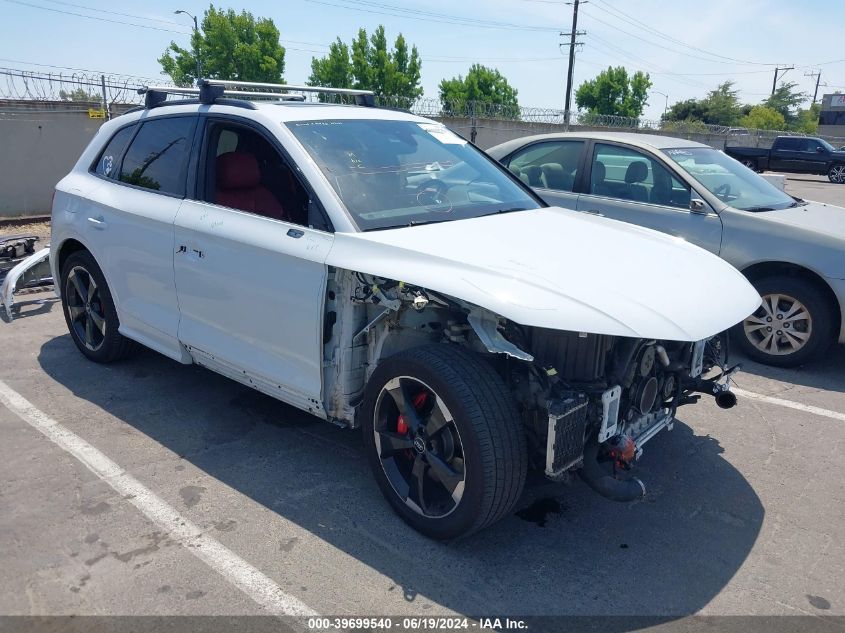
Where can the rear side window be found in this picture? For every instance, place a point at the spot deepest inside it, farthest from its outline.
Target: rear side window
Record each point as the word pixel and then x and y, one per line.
pixel 790 143
pixel 158 155
pixel 106 164
pixel 551 165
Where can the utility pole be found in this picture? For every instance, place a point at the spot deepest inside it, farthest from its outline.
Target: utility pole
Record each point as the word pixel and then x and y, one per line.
pixel 106 108
pixel 818 76
pixel 665 107
pixel 572 43
pixel 777 70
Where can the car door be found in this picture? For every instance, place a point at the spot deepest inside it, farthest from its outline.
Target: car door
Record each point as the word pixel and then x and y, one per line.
pixel 786 154
pixel 129 224
pixel 633 186
pixel 551 168
pixel 817 156
pixel 250 273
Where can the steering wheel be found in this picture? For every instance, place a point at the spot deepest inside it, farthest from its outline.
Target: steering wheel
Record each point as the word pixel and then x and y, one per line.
pixel 432 194
pixel 723 192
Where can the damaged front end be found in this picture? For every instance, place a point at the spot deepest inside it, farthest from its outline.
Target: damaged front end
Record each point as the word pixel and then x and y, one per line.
pixel 592 401
pixel 589 402
pixel 31 272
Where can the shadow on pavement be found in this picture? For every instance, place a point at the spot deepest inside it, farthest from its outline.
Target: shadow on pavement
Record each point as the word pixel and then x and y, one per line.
pixel 567 551
pixel 827 373
pixel 25 308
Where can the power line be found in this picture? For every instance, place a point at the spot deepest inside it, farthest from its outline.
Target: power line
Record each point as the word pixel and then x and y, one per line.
pixel 646 63
pixel 125 15
pixel 619 14
pixel 428 16
pixel 93 17
pixel 667 48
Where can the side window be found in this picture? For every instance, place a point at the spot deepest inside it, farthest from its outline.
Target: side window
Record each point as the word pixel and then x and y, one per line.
pixel 158 155
pixel 620 172
pixel 106 164
pixel 812 146
pixel 550 165
pixel 244 171
pixel 791 144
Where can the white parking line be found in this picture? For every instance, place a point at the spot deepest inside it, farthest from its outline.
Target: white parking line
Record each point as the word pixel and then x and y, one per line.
pixel 808 408
pixel 232 567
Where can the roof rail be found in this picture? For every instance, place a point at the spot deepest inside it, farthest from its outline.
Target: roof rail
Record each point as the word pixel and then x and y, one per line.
pixel 206 94
pixel 362 97
pixel 212 90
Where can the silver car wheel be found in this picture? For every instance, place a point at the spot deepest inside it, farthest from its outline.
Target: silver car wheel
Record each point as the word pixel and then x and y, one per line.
pixel 837 173
pixel 782 325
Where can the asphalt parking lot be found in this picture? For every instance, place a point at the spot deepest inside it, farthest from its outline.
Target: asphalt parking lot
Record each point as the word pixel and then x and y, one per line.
pixel 743 515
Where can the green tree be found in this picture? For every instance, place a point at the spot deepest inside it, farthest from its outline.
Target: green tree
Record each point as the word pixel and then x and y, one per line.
pixel 613 92
pixel 334 70
pixel 229 45
pixel 481 85
pixel 786 100
pixel 369 64
pixel 807 120
pixel 722 106
pixel 762 117
pixel 79 94
pixel 688 110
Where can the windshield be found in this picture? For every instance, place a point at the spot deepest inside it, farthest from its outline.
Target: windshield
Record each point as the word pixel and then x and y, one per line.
pixel 730 181
pixel 400 173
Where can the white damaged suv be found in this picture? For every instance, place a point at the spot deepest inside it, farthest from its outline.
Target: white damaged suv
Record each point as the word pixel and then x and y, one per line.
pixel 376 270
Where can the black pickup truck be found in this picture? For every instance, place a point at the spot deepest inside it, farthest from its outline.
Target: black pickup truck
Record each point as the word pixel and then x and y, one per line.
pixel 794 154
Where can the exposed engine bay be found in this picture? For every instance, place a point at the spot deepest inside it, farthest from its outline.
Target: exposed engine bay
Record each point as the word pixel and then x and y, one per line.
pixel 589 402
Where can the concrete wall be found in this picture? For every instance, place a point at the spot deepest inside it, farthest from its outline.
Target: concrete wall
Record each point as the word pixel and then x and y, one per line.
pixel 39 146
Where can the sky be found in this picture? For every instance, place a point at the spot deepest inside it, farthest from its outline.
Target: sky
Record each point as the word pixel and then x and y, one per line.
pixel 687 46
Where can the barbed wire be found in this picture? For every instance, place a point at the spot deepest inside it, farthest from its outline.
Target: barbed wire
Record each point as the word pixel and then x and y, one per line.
pixel 81 87
pixel 81 90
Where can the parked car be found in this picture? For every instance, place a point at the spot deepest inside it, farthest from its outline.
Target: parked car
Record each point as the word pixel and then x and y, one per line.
pixel 376 270
pixel 796 155
pixel 790 249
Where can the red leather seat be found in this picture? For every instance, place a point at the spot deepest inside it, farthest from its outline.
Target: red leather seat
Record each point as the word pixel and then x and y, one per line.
pixel 239 186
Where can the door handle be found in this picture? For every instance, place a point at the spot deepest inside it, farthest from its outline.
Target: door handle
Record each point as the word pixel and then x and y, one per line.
pixel 98 223
pixel 594 212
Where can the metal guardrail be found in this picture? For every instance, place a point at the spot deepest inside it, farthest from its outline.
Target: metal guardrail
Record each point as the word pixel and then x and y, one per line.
pixel 22 86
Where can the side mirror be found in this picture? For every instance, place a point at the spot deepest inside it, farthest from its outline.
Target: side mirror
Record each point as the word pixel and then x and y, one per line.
pixel 820 149
pixel 697 205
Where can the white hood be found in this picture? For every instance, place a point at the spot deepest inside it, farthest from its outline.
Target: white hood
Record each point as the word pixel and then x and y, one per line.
pixel 564 270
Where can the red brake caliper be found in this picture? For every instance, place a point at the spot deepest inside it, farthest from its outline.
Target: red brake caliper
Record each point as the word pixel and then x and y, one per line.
pixel 418 401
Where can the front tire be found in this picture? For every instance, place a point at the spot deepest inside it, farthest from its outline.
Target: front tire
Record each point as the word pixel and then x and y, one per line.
pixel 444 440
pixel 89 310
pixel 836 174
pixel 793 326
